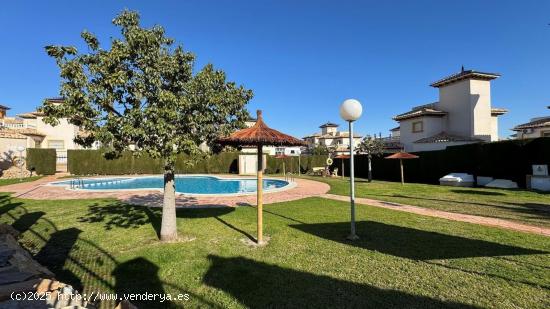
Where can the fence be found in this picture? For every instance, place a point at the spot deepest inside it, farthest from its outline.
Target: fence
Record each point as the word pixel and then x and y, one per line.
pixel 511 159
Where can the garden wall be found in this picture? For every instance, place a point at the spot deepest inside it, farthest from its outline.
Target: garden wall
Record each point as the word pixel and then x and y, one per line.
pixel 511 159
pixel 92 162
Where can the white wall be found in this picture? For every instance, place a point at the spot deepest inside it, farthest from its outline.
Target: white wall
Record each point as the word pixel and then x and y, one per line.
pixel 494 128
pixel 63 131
pixel 537 132
pixel 8 148
pixel 455 99
pixel 432 126
pixel 480 100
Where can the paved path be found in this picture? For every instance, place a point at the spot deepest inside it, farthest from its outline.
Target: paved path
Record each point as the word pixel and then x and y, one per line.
pixel 506 224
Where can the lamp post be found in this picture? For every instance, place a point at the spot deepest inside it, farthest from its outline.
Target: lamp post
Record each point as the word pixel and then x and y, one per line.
pixel 20 149
pixel 351 110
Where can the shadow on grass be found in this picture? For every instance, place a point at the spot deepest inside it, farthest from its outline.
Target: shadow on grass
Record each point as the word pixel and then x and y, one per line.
pixel 411 243
pixel 477 192
pixel 55 253
pixel 24 222
pixel 139 276
pixel 121 215
pixel 88 267
pixel 233 227
pixel 259 285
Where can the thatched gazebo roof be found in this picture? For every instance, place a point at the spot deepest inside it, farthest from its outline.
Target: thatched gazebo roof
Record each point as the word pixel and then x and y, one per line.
pixel 402 155
pixel 260 135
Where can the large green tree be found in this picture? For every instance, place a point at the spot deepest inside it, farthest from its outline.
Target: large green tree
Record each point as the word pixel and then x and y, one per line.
pixel 143 91
pixel 371 146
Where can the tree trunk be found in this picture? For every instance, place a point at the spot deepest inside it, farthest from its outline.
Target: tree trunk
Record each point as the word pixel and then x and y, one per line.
pixel 370 170
pixel 168 229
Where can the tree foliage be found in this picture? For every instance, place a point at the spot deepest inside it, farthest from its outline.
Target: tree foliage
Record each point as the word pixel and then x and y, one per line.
pixel 142 91
pixel 371 146
pixel 319 149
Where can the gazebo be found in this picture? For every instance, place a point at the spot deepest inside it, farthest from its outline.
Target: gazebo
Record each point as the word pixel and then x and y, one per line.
pixel 342 157
pixel 260 135
pixel 402 156
pixel 283 157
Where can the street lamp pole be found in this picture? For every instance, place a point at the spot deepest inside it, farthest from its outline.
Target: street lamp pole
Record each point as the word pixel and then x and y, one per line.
pixel 351 110
pixel 352 235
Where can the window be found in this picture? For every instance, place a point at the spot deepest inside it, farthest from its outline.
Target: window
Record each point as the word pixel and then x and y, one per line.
pixel 545 134
pixel 279 151
pixel 56 144
pixel 417 127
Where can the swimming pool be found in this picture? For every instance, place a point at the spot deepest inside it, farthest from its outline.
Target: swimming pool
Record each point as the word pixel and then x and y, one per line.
pixel 184 184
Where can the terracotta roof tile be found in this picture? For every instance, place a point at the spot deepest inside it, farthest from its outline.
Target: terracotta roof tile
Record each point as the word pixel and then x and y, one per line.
pixel 10 133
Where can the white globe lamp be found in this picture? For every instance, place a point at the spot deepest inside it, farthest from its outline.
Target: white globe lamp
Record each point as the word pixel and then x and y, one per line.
pixel 350 111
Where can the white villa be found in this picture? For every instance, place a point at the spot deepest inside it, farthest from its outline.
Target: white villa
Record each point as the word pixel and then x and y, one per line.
pixel 537 127
pixel 462 115
pixel 30 131
pixel 332 138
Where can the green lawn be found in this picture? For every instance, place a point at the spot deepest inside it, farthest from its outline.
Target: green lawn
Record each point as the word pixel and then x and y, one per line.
pixel 519 205
pixel 5 182
pixel 401 261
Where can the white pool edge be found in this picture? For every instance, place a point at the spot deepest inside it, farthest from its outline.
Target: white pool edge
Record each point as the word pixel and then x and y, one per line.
pixel 290 185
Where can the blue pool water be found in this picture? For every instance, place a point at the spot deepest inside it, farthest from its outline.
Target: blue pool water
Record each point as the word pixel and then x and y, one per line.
pixel 184 184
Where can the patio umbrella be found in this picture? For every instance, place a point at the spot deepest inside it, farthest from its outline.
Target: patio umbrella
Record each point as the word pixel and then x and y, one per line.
pixel 282 156
pixel 342 157
pixel 260 135
pixel 402 156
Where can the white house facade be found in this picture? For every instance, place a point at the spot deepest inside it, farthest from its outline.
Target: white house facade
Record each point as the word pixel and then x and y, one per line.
pixel 462 115
pixel 536 127
pixel 330 137
pixel 30 131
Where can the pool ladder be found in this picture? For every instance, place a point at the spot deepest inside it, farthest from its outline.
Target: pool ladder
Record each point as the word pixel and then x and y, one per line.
pixel 77 183
pixel 289 177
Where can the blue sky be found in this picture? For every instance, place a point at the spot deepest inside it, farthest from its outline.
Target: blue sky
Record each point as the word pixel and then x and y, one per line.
pixel 303 58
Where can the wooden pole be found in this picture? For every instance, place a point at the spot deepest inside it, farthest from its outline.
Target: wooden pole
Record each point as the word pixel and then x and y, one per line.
pixel 342 168
pixel 259 204
pixel 402 176
pixel 284 170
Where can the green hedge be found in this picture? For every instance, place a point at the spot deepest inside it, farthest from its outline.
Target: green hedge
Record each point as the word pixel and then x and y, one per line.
pixel 41 160
pixel 92 162
pixel 505 159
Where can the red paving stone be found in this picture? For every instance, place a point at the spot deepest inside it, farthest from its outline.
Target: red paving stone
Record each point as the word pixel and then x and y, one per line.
pixel 304 188
pixel 505 224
